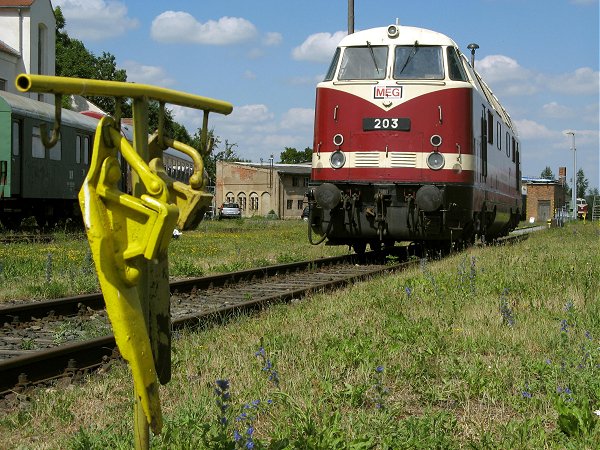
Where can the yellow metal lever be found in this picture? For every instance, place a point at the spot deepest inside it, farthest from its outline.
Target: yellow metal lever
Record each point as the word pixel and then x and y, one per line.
pixel 123 231
pixel 190 199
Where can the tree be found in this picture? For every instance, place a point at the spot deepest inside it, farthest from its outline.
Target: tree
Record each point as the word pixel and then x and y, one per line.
pixel 582 184
pixel 210 160
pixel 547 173
pixel 292 156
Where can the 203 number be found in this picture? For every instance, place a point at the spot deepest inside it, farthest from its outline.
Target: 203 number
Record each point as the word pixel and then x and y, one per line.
pixel 385 124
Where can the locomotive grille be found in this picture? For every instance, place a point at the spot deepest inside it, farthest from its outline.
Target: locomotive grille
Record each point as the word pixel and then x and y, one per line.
pixel 366 159
pixel 402 159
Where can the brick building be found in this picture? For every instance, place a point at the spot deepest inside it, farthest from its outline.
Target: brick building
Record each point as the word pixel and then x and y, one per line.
pixel 262 188
pixel 545 199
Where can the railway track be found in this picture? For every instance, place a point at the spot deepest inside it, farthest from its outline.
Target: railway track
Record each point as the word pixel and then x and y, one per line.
pixel 70 337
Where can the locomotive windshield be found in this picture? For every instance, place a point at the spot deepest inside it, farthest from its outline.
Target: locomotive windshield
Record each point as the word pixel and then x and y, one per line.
pixel 364 63
pixel 417 62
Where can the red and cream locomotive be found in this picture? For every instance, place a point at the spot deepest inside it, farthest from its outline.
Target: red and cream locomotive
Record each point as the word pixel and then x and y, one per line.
pixel 410 145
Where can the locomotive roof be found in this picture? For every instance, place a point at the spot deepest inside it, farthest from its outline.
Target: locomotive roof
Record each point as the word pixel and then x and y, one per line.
pixel 406 36
pixel 43 111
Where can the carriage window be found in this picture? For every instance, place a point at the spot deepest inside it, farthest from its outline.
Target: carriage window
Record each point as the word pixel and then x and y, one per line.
pixel 86 150
pixel 455 67
pixel 37 147
pixel 364 63
pixel 55 152
pixel 78 149
pixel 16 138
pixel 418 62
pixel 333 65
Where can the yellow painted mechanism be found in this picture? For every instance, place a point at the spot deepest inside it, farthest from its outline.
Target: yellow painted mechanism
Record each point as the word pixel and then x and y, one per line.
pixel 129 233
pixel 123 231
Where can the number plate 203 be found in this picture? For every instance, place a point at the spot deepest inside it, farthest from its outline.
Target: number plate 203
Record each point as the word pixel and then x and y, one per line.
pixel 387 123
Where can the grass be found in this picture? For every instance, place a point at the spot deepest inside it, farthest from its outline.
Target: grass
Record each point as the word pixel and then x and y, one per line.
pixel 492 348
pixel 64 266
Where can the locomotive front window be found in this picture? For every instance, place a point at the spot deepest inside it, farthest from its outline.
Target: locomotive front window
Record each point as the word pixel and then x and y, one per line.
pixel 333 65
pixel 364 63
pixel 455 68
pixel 417 62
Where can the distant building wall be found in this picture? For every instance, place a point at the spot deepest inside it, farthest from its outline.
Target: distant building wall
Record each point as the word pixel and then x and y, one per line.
pixel 260 189
pixel 28 28
pixel 544 199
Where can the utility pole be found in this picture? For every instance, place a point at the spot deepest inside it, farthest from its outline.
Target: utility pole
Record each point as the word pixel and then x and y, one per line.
pixel 350 16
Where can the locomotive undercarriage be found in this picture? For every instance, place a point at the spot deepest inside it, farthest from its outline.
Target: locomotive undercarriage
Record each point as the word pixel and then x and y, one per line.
pixel 382 214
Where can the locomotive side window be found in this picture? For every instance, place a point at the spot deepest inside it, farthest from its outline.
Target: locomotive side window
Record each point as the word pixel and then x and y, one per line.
pixel 364 63
pixel 16 138
pixel 513 149
pixel 418 63
pixel 490 124
pixel 507 144
pixel 499 135
pixel 333 66
pixel 456 71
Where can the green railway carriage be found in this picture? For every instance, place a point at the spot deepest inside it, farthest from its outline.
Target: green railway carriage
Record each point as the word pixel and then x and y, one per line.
pixel 35 181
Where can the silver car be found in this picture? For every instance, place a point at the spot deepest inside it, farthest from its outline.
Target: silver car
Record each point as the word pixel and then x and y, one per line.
pixel 230 211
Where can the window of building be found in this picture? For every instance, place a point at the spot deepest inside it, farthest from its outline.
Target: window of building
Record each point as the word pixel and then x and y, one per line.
pixel 300 204
pixel 2 84
pixel 242 201
pixel 254 201
pixel 306 181
pixel 295 181
pixel 289 204
pixel 229 197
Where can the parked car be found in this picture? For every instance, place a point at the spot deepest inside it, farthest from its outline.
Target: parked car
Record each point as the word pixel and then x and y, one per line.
pixel 230 211
pixel 305 213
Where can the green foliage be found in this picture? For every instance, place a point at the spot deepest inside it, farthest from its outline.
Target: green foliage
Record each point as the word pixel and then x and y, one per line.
pixel 547 173
pixel 292 156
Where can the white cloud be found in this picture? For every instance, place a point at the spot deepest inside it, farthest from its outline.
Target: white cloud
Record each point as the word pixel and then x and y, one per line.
pixel 180 26
pixel 556 111
pixel 272 39
pixel 581 82
pixel 141 73
pixel 249 75
pixel 296 118
pixel 529 129
pixel 95 19
pixel 318 47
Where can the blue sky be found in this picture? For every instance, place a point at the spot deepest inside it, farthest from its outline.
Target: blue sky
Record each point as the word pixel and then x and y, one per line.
pixel 265 57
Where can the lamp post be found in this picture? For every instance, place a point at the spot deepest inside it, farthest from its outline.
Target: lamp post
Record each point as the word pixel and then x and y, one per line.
pixel 574 190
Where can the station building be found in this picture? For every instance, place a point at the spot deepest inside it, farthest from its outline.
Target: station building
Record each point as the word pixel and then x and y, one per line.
pixel 262 189
pixel 545 198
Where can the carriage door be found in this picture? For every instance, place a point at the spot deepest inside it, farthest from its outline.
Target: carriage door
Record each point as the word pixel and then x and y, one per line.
pixel 15 160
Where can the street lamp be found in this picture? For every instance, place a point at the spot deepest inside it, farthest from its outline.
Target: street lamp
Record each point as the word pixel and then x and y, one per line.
pixel 574 191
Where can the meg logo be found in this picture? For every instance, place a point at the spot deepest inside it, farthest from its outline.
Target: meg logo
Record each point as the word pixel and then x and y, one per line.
pixel 387 92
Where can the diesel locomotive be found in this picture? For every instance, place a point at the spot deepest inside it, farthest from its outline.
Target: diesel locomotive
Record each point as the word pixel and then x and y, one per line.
pixel 410 144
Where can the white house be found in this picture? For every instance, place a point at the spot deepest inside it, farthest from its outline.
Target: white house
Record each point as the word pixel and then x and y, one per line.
pixel 27 42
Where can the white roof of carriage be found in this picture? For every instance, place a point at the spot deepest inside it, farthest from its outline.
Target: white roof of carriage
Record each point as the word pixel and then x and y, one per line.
pixel 406 36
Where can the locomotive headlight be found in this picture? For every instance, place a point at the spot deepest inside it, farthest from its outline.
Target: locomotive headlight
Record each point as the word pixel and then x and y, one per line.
pixel 436 140
pixel 393 31
pixel 435 161
pixel 338 139
pixel 338 159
